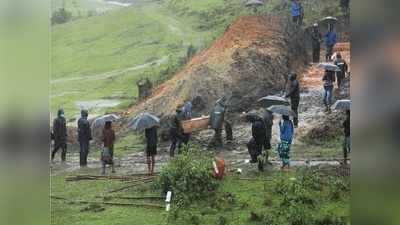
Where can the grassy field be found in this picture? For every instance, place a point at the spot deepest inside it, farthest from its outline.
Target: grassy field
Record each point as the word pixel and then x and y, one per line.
pixel 246 198
pixel 103 56
pixel 83 8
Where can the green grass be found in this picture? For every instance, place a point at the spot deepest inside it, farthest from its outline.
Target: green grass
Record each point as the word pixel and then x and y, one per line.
pixel 112 43
pixel 130 143
pixel 81 8
pixel 248 196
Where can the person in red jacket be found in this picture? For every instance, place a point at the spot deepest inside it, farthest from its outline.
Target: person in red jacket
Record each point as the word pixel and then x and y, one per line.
pixel 108 151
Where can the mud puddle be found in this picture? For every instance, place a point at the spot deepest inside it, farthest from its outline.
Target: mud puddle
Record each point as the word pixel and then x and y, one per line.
pixel 99 103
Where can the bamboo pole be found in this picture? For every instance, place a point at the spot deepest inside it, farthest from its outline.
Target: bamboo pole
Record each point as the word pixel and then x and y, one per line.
pixel 109 203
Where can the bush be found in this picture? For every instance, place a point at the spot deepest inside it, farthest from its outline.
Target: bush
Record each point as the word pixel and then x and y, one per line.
pixel 302 198
pixel 61 16
pixel 189 176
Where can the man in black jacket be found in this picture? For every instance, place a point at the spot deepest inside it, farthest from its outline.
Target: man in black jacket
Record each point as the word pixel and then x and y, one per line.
pixel 151 148
pixel 60 135
pixel 316 38
pixel 84 137
pixel 294 95
pixel 340 75
pixel 268 118
pixel 176 131
pixel 255 145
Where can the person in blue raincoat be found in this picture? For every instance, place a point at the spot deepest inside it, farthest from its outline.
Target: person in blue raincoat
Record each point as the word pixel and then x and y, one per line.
pixel 286 134
pixel 296 10
pixel 330 41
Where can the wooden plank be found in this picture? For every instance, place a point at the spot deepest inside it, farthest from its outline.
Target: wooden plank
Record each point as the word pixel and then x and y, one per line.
pixel 195 124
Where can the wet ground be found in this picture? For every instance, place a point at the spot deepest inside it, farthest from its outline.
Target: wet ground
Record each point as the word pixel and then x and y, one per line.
pixel 235 153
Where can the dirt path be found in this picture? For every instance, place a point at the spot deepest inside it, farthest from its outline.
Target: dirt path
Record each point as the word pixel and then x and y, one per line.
pixel 110 74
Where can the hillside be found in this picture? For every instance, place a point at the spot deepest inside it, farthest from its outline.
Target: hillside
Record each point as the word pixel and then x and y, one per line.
pixel 97 60
pixel 102 57
pixel 250 60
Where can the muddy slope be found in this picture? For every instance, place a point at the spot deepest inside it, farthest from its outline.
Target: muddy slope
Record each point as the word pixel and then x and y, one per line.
pixel 250 60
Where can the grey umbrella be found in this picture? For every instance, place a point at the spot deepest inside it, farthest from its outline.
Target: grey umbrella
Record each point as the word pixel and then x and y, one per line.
pixel 101 120
pixel 271 100
pixel 98 124
pixel 144 121
pixel 329 67
pixel 282 110
pixel 344 104
pixel 254 3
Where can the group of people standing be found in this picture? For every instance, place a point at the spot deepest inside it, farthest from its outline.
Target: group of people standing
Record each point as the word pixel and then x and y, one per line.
pixel 262 130
pixel 59 134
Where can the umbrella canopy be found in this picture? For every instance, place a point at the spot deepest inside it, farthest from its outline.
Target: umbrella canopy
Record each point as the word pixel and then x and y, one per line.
pixel 100 121
pixel 329 20
pixel 254 3
pixel 329 67
pixel 252 115
pixel 282 110
pixel 344 104
pixel 98 124
pixel 144 121
pixel 271 100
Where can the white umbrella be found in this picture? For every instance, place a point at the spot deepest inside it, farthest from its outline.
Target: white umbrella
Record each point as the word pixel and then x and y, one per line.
pixel 254 3
pixel 329 67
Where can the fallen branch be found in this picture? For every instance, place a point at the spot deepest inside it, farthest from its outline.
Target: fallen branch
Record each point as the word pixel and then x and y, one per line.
pixel 254 179
pixel 109 203
pixel 131 197
pixel 129 186
pixel 97 177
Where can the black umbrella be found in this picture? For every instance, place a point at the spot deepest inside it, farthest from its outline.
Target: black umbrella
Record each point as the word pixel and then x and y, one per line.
pixel 144 121
pixel 252 115
pixel 329 67
pixel 344 104
pixel 282 110
pixel 271 100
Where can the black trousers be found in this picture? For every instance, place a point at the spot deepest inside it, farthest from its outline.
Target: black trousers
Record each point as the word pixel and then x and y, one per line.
pixel 297 20
pixel 63 147
pixel 295 107
pixel 329 53
pixel 228 131
pixel 339 76
pixel 316 54
pixel 217 139
pixel 267 142
pixel 83 153
pixel 175 142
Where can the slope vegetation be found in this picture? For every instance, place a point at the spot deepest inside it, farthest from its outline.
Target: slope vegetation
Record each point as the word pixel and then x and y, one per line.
pixel 250 60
